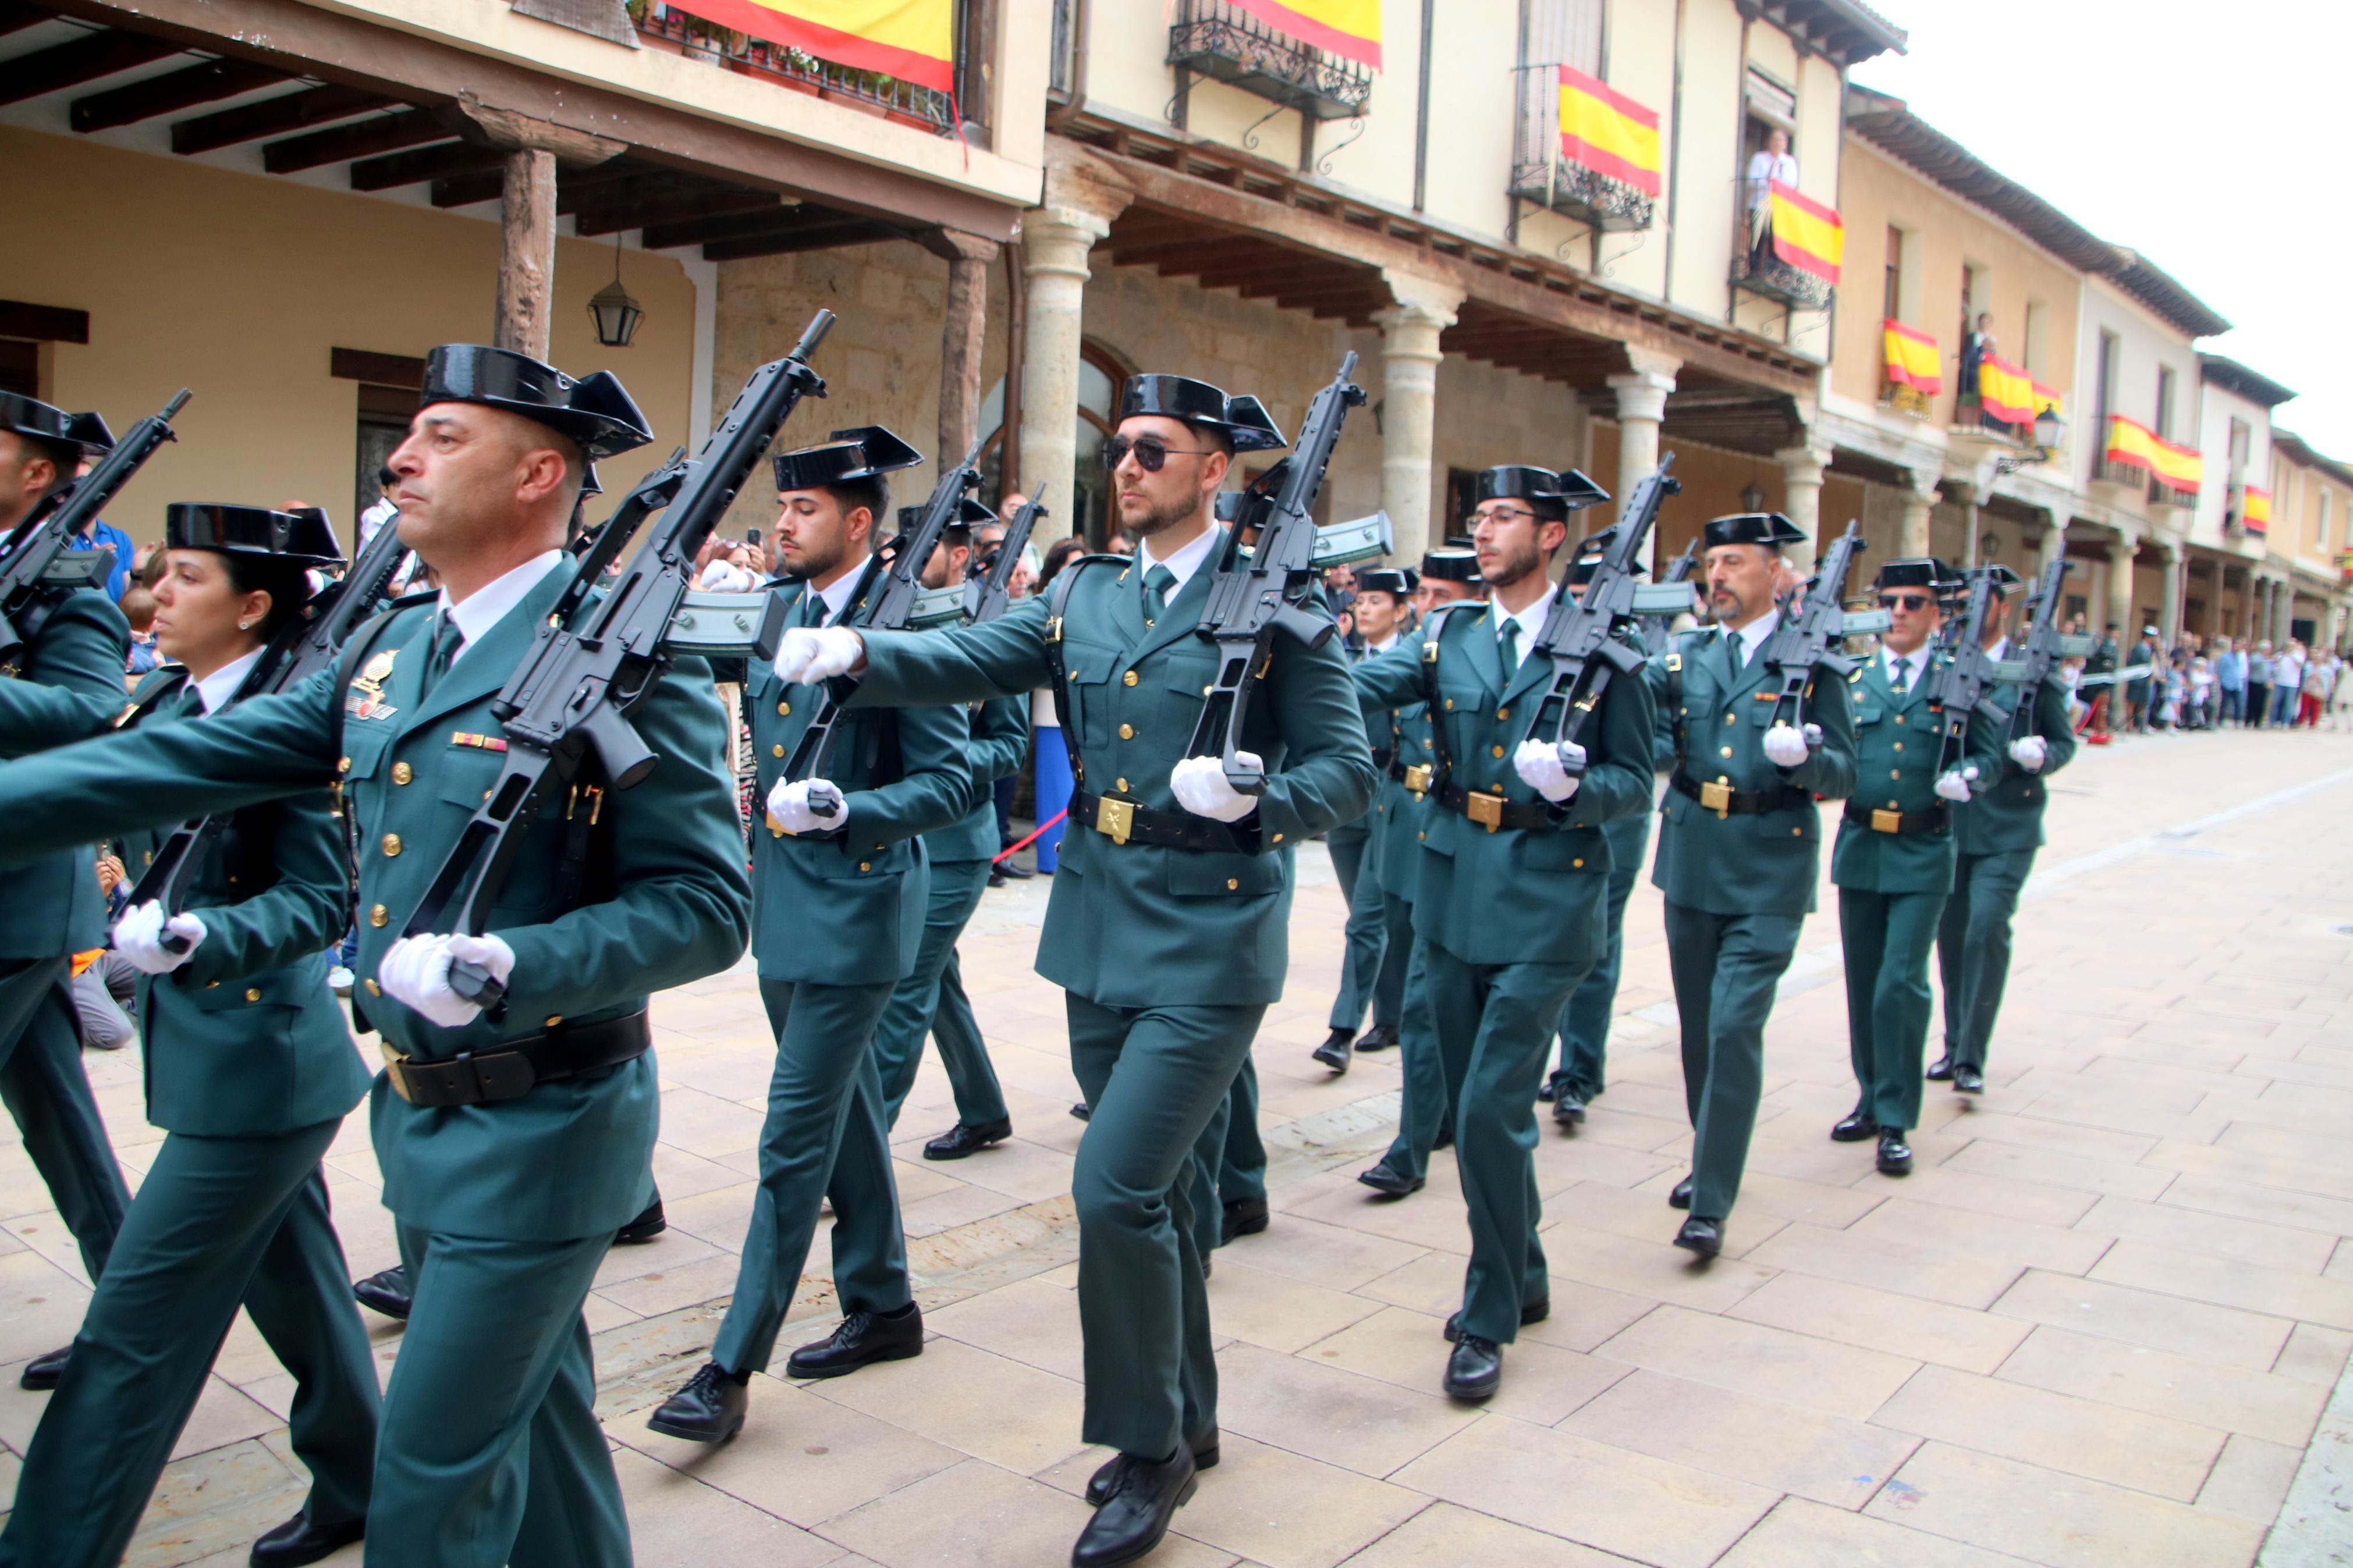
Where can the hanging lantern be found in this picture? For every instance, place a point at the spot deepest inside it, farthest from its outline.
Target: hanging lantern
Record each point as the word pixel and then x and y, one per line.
pixel 615 310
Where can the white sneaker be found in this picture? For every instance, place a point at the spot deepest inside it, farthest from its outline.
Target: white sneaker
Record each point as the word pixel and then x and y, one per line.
pixel 339 981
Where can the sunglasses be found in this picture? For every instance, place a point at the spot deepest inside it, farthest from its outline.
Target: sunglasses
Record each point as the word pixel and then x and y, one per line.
pixel 1151 452
pixel 1902 601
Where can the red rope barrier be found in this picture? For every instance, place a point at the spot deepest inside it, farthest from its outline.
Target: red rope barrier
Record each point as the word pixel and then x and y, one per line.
pixel 1042 828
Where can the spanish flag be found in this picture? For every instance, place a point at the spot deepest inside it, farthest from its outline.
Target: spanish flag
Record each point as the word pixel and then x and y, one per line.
pixel 2130 443
pixel 1349 28
pixel 2006 391
pixel 1913 360
pixel 2177 466
pixel 2255 512
pixel 1806 234
pixel 914 40
pixel 2046 398
pixel 1608 133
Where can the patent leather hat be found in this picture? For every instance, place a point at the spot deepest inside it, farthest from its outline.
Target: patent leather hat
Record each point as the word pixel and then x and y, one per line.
pixel 1384 580
pixel 1769 528
pixel 1552 494
pixel 862 452
pixel 1452 565
pixel 1241 420
pixel 303 536
pixel 596 412
pixel 46 422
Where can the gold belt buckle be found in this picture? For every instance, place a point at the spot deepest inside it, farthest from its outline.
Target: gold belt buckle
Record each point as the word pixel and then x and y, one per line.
pixel 1717 798
pixel 1417 780
pixel 1116 818
pixel 394 1061
pixel 1886 821
pixel 1486 809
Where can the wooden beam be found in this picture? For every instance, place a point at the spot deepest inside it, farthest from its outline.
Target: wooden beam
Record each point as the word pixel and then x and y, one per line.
pixel 829 236
pixel 383 370
pixel 716 228
pixel 79 60
pixel 465 190
pixel 677 208
pixel 419 165
pixel 385 133
pixel 206 83
pixel 43 323
pixel 16 17
pixel 272 116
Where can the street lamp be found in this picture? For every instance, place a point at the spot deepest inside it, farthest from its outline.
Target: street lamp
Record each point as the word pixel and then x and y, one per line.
pixel 1752 496
pixel 2049 430
pixel 615 310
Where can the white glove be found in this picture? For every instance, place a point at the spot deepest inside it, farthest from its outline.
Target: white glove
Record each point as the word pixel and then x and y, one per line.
pixel 1200 787
pixel 2031 753
pixel 1955 785
pixel 139 938
pixel 804 805
pixel 811 654
pixel 1545 769
pixel 1786 745
pixel 415 971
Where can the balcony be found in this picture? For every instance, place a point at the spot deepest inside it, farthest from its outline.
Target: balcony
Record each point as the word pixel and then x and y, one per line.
pixel 1770 278
pixel 1578 147
pixel 2130 477
pixel 888 97
pixel 1219 40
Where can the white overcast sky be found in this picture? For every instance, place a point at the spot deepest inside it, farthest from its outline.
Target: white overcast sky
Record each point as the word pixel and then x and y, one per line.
pixel 2215 139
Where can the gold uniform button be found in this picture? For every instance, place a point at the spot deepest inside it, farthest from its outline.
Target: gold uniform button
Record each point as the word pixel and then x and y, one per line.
pixel 775 751
pixel 402 772
pixel 212 985
pixel 253 993
pixel 784 710
pixel 379 916
pixel 391 844
pixel 1895 773
pixel 1127 731
pixel 1233 884
pixel 1796 832
pixel 1128 679
pixel 1120 784
pixel 1726 750
pixel 553 1020
pixel 1423 836
pixel 1278 838
pixel 1450 704
pixel 344 765
pixel 865 865
pixel 373 989
pixel 1899 745
pixel 1496 750
pixel 1577 865
pixel 1899 717
pixel 1502 712
pixel 1727 718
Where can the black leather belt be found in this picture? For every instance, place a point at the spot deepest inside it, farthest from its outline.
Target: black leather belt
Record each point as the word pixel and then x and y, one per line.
pixel 1725 801
pixel 1383 757
pixel 1492 811
pixel 1935 820
pixel 1417 778
pixel 1131 822
pixel 517 1066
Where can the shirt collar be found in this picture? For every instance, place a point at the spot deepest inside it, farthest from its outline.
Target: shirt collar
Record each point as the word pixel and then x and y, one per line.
pixel 1755 633
pixel 1530 621
pixel 836 593
pixel 1383 646
pixel 488 606
pixel 1916 659
pixel 214 690
pixel 1184 562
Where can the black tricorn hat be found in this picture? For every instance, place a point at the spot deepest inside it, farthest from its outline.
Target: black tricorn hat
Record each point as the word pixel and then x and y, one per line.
pixel 1452 565
pixel 1382 579
pixel 303 536
pixel 1243 421
pixel 2004 579
pixel 862 452
pixel 1588 557
pixel 1550 491
pixel 596 412
pixel 588 485
pixel 45 422
pixel 1917 571
pixel 1769 528
pixel 970 514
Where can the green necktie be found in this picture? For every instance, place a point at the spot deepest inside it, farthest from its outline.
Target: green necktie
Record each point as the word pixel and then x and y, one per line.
pixel 443 652
pixel 1902 681
pixel 1507 647
pixel 1157 584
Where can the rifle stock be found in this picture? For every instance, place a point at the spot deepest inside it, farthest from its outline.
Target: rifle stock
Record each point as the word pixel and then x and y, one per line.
pixel 1807 643
pixel 1584 635
pixel 2044 646
pixel 984 595
pixel 1956 690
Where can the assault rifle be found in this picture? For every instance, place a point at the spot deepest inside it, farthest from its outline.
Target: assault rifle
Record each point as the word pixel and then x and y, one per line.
pixel 985 595
pixel 1810 641
pixel 304 647
pixel 1260 592
pixel 1956 689
pixel 2046 645
pixel 598 658
pixel 27 559
pixel 1585 636
pixel 1679 571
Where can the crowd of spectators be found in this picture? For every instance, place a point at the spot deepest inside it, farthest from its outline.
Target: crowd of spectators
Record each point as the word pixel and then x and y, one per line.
pixel 2201 683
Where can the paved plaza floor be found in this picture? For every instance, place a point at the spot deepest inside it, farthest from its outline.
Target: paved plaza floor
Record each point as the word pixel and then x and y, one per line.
pixel 2099 1324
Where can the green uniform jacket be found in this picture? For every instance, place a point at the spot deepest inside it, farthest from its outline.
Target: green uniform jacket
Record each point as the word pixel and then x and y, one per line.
pixel 1397 816
pixel 1377 735
pixel 847 909
pixel 2008 815
pixel 1000 740
pixel 69 687
pixel 244 1040
pixel 1135 925
pixel 1556 875
pixel 1896 751
pixel 668 901
pixel 1712 725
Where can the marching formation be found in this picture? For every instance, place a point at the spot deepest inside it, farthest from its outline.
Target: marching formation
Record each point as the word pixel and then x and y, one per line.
pixel 518 789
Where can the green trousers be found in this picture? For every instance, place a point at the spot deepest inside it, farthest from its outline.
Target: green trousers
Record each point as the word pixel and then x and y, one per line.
pixel 1494 1024
pixel 1584 1021
pixel 1724 969
pixel 217 1221
pixel 1973 948
pixel 491 1453
pixel 1156 1078
pixel 1372 972
pixel 1229 1160
pixel 1887 938
pixel 46 1090
pixel 931 1002
pixel 823 1138
pixel 1425 1099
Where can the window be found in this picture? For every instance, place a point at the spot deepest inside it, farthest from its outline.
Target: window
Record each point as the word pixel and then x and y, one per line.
pixel 2165 401
pixel 2103 386
pixel 2241 443
pixel 2037 345
pixel 1563 33
pixel 2326 496
pixel 1893 307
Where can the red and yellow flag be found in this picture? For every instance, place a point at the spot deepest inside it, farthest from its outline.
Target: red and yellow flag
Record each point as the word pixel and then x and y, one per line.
pixel 2006 391
pixel 2255 511
pixel 1349 28
pixel 2176 466
pixel 2130 443
pixel 1806 234
pixel 1913 360
pixel 2046 398
pixel 1606 131
pixel 914 40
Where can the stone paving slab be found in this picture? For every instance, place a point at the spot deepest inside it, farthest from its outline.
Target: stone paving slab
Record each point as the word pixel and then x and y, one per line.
pixel 2104 1321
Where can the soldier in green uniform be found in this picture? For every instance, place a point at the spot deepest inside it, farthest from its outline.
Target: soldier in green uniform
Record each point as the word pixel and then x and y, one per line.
pixel 1513 883
pixel 1165 926
pixel 1893 862
pixel 489 1452
pixel 66 685
pixel 250 1072
pixel 1740 849
pixel 1995 836
pixel 841 890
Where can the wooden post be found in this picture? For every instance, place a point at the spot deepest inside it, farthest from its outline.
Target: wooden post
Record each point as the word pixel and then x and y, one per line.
pixel 526 252
pixel 962 334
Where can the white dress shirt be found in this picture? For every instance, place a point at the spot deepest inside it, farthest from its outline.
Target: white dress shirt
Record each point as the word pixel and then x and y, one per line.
pixel 1375 649
pixel 1184 562
pixel 1763 170
pixel 1529 621
pixel 221 685
pixel 1753 636
pixel 487 605
pixel 1912 666
pixel 836 594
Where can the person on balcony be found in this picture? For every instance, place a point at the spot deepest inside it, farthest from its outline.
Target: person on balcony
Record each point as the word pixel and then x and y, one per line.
pixel 1773 163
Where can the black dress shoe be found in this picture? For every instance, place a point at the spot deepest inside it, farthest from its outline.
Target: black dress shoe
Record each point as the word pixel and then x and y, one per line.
pixel 1681 1197
pixel 1702 1235
pixel 298 1541
pixel 969 1138
pixel 44 1370
pixel 1568 1106
pixel 1445 1139
pixel 1139 1497
pixel 1379 1037
pixel 1387 1182
pixel 384 1291
pixel 643 1228
pixel 1534 1313
pixel 709 1409
pixel 1081 1110
pixel 860 1339
pixel 1968 1080
pixel 1475 1370
pixel 1551 1085
pixel 1895 1155
pixel 1205 1457
pixel 1334 1051
pixel 1941 1068
pixel 996 875
pixel 1243 1217
pixel 1007 868
pixel 1854 1129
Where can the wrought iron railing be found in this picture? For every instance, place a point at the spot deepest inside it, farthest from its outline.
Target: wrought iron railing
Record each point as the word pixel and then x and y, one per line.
pixel 1768 277
pixel 2131 476
pixel 885 95
pixel 1221 41
pixel 1540 174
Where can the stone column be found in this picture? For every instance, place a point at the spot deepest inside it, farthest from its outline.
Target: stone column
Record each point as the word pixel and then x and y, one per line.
pixel 1641 406
pixel 1919 499
pixel 961 336
pixel 2052 546
pixel 2283 609
pixel 526 252
pixel 1410 355
pixel 1054 245
pixel 1801 502
pixel 2120 591
pixel 2168 624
